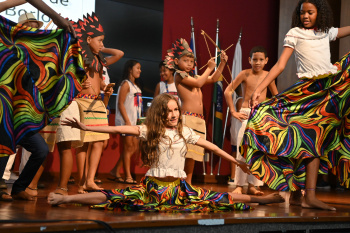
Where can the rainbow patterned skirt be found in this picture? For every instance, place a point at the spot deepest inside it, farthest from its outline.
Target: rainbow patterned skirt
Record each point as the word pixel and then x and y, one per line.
pixel 41 71
pixel 177 196
pixel 309 119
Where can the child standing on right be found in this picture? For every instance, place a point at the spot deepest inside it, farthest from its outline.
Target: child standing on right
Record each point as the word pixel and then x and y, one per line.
pixel 305 129
pixel 249 79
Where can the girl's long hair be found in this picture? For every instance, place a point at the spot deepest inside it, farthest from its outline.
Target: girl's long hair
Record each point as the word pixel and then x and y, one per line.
pixel 126 71
pixel 156 121
pixel 324 19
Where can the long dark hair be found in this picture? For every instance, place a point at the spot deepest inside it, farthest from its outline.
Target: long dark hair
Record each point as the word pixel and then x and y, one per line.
pixel 324 19
pixel 126 71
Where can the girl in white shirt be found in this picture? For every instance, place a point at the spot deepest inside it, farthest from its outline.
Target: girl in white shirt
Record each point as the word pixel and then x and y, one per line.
pixel 128 110
pixel 168 83
pixel 163 149
pixel 301 132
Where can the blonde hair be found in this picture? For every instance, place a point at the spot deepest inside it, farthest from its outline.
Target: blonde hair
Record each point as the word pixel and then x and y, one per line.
pixel 156 120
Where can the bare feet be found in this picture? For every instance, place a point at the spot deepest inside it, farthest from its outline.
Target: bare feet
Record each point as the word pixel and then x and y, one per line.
pixel 81 189
pixel 314 203
pixel 130 180
pixel 55 199
pixel 61 191
pixel 271 198
pixel 295 198
pixel 238 190
pixel 4 196
pixel 23 196
pixel 113 173
pixel 254 191
pixel 92 187
pixel 32 191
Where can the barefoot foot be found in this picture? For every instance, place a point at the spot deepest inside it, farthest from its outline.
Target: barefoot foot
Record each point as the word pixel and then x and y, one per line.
pixel 55 199
pixel 314 203
pixel 92 187
pixel 295 198
pixel 61 191
pixel 252 190
pixel 23 196
pixel 81 189
pixel 271 198
pixel 32 191
pixel 4 196
pixel 238 190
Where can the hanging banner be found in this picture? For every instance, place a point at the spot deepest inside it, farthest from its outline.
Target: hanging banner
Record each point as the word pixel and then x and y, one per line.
pixel 72 9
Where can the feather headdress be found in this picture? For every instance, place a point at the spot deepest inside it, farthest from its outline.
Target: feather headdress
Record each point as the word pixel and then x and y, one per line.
pixel 89 26
pixel 179 48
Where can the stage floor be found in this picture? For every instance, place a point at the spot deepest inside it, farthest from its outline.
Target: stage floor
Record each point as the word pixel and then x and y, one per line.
pixel 38 216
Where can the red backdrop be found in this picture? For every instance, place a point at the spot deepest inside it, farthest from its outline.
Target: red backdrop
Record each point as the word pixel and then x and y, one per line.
pixel 259 21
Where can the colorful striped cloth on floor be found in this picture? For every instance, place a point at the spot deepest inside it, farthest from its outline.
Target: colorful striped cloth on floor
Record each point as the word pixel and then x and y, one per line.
pixel 41 71
pixel 309 119
pixel 177 196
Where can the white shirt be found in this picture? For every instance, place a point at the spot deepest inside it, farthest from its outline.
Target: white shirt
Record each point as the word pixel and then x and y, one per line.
pixel 312 51
pixel 170 89
pixel 132 103
pixel 171 159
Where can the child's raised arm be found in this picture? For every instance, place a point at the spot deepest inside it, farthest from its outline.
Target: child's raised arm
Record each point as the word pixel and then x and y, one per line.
pixel 200 80
pixel 56 18
pixel 228 96
pixel 276 70
pixel 216 75
pixel 10 3
pixel 127 129
pixel 116 54
pixel 216 150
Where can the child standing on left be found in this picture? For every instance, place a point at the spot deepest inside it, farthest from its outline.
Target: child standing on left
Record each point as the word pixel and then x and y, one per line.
pixel 89 106
pixel 33 103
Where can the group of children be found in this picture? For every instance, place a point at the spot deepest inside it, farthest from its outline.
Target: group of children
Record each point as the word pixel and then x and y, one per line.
pixel 284 141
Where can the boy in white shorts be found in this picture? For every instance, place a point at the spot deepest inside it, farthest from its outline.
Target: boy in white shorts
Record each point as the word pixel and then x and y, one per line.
pixel 249 79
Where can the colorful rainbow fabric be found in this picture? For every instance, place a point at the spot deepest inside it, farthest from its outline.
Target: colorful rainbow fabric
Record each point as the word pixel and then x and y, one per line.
pixel 309 119
pixel 41 71
pixel 177 196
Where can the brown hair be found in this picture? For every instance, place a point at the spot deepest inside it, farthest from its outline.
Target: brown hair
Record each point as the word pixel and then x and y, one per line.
pixel 156 122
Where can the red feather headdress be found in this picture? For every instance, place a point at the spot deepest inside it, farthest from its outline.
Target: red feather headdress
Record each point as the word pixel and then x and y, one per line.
pixel 89 26
pixel 179 48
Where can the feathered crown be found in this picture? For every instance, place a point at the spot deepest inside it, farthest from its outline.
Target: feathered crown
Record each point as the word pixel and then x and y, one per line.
pixel 89 26
pixel 179 48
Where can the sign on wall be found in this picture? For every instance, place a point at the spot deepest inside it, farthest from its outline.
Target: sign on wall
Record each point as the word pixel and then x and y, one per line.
pixel 72 9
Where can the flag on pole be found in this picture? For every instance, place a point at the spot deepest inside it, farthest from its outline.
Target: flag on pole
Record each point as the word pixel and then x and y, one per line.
pixel 236 69
pixel 193 44
pixel 237 60
pixel 217 101
pixel 237 65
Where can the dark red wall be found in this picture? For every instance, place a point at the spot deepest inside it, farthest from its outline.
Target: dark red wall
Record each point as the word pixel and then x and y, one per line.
pixel 258 20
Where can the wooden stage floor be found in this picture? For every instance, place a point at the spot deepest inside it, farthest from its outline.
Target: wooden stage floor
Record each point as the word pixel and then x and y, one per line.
pixel 38 216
